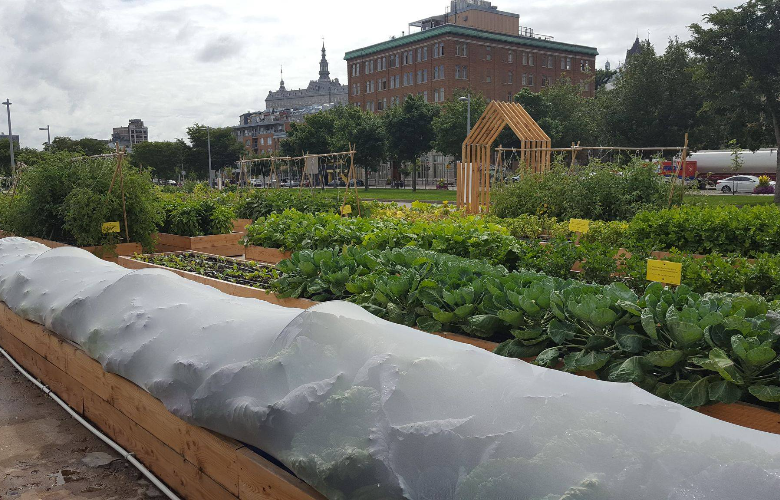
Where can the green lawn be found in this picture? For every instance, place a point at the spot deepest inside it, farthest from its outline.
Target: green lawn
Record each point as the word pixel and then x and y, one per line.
pixel 736 199
pixel 407 194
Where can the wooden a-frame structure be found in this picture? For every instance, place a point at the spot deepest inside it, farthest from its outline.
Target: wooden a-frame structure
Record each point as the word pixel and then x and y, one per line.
pixel 473 174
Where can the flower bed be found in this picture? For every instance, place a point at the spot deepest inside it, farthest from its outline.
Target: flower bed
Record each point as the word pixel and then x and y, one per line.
pixel 223 274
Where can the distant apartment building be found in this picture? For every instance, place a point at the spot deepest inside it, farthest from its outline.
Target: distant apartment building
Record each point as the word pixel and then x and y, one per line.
pixel 261 131
pixel 134 133
pixel 471 46
pixel 320 92
pixel 14 138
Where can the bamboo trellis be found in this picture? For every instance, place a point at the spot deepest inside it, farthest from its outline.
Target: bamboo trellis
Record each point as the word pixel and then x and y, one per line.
pixel 473 174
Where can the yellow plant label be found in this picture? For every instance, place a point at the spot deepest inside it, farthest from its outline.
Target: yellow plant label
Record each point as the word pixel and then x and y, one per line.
pixel 579 225
pixel 664 271
pixel 111 227
pixel 346 210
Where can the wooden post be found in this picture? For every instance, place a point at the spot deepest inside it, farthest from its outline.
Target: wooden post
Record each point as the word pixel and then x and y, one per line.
pixel 683 158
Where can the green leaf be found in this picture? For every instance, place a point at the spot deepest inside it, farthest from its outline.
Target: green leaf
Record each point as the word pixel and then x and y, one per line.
pixel 648 323
pixel 527 334
pixel 485 324
pixel 548 357
pixel 560 332
pixel 429 324
pixel 465 310
pixel 630 370
pixel 603 317
pixel 766 393
pixel 591 361
pixel 598 342
pixel 760 356
pixel 725 366
pixel 724 392
pixel 515 349
pixel 664 358
pixel 514 318
pixel 685 334
pixel 690 393
pixel 629 340
pixel 444 316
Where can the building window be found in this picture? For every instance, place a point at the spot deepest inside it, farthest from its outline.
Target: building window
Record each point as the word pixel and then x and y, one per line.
pixel 461 50
pixel 419 54
pixel 438 49
pixel 383 84
pixel 394 100
pixel 524 79
pixel 425 95
pixel 563 63
pixel 531 80
pixel 488 78
pixel 489 54
pixel 461 72
pixel 370 106
pixel 545 81
pixel 510 57
pixel 550 61
pixel 394 61
pixel 381 105
pixel 584 66
pixel 530 59
pixel 438 72
pixel 525 58
pixel 510 77
pixel 568 64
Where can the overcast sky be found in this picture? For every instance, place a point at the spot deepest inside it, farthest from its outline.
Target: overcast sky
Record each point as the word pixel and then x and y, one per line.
pixel 85 66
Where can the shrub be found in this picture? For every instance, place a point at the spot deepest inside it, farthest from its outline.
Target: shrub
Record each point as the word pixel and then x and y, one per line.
pixel 198 214
pixel 724 229
pixel 597 192
pixel 262 202
pixel 64 199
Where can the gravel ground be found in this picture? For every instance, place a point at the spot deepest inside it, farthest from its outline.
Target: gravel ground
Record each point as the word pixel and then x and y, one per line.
pixel 46 454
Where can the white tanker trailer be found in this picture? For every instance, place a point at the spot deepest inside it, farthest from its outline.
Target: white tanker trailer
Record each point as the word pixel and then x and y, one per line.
pixel 716 165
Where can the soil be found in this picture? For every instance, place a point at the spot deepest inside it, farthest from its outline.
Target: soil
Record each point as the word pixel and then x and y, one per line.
pixel 237 271
pixel 46 454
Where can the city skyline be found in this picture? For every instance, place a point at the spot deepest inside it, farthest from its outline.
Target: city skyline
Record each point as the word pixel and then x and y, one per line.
pixel 83 66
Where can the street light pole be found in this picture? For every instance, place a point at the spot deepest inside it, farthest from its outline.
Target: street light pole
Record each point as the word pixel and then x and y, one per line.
pixel 7 104
pixel 467 99
pixel 211 172
pixel 48 134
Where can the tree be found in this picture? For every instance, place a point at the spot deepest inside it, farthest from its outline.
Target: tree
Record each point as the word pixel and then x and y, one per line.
pixel 450 125
pixel 562 112
pixel 739 53
pixel 225 149
pixel 364 131
pixel 409 129
pixel 86 146
pixel 313 136
pixel 165 159
pixel 655 100
pixel 602 77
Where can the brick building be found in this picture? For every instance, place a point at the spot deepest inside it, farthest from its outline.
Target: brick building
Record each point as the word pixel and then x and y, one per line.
pixel 472 46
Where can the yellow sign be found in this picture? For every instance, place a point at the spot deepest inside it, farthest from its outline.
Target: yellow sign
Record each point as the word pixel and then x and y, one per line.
pixel 579 225
pixel 111 227
pixel 346 210
pixel 664 271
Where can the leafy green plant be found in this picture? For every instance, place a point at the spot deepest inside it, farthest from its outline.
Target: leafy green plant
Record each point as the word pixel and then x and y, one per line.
pixel 198 215
pixel 67 200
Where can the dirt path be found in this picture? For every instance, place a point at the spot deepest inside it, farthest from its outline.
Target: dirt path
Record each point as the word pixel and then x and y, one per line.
pixel 45 454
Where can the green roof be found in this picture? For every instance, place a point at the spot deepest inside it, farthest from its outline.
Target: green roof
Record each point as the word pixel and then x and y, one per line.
pixel 472 32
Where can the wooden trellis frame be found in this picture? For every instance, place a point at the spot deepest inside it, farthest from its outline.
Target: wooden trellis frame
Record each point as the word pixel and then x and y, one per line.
pixel 473 172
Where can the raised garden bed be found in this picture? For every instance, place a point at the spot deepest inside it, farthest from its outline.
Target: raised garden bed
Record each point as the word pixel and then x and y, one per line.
pixel 109 252
pixel 263 254
pixel 217 244
pixel 207 269
pixel 193 461
pixel 239 225
pixel 746 415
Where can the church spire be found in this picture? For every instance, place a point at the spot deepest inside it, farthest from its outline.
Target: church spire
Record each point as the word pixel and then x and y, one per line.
pixel 281 82
pixel 324 73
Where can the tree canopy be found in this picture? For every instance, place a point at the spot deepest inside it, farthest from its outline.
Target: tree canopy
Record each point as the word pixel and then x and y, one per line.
pixel 449 126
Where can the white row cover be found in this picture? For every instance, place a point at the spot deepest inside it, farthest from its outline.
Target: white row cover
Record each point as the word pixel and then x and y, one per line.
pixel 361 408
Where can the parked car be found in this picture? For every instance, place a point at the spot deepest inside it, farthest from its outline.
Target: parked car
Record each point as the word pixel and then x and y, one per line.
pixel 354 181
pixel 256 182
pixel 289 183
pixel 337 183
pixel 737 184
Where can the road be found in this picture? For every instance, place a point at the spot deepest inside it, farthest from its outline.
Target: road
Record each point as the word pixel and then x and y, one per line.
pixel 45 454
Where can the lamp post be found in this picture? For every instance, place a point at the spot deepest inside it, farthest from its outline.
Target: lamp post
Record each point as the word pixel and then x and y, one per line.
pixel 48 134
pixel 7 104
pixel 211 172
pixel 467 99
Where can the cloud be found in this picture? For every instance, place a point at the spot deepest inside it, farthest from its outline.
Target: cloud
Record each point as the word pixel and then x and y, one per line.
pixel 86 66
pixel 220 49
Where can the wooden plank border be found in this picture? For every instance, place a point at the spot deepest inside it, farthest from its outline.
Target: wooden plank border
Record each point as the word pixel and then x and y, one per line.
pixel 193 461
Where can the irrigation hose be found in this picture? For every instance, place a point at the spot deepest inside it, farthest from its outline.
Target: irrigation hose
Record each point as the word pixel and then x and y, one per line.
pixel 124 453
